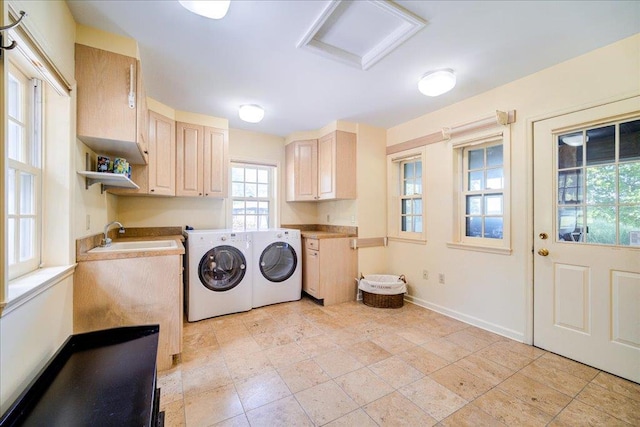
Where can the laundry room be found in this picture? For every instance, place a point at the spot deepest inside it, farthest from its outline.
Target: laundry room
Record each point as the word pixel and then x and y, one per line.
pixel 304 234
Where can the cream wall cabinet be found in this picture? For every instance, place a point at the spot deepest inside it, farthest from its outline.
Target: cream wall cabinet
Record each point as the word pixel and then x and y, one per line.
pixel 322 169
pixel 111 104
pixel 202 161
pixel 159 176
pixel 132 291
pixel 329 270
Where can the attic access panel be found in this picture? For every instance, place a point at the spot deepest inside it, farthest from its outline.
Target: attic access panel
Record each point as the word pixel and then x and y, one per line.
pixel 360 33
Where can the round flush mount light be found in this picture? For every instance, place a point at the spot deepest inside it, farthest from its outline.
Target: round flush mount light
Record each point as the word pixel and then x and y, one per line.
pixel 251 113
pixel 214 9
pixel 436 83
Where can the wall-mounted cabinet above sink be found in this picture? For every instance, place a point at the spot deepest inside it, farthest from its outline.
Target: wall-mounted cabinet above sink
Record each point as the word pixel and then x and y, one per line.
pixel 112 107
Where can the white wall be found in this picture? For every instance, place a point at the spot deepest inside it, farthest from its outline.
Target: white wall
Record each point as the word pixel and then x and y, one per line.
pixel 485 289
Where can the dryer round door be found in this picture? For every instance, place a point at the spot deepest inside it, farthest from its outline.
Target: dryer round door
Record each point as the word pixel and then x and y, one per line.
pixel 222 268
pixel 278 262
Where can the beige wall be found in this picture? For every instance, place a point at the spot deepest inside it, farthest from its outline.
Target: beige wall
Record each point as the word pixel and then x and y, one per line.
pixel 485 289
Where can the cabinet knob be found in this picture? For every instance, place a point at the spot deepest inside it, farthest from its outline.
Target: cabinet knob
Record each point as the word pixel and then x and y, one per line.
pixel 152 190
pixel 207 194
pixel 146 152
pixel 199 194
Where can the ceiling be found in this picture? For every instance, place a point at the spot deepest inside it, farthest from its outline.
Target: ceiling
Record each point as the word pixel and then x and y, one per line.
pixel 251 56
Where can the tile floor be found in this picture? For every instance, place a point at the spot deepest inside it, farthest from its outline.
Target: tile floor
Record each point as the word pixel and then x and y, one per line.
pixel 300 364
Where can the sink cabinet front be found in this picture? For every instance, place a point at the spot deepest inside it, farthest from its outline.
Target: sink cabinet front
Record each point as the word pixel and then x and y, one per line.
pixel 132 291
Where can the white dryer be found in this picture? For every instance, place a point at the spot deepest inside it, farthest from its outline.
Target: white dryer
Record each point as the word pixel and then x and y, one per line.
pixel 218 277
pixel 277 274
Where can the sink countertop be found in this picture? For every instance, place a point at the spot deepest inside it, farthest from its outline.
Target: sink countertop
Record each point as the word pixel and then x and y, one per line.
pixel 316 234
pixel 83 255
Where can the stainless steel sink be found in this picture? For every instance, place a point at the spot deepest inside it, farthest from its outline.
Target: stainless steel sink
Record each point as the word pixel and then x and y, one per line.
pixel 142 245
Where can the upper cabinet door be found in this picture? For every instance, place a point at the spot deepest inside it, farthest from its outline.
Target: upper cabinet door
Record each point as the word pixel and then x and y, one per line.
pixel 301 170
pixel 162 155
pixel 327 167
pixel 189 159
pixel 215 155
pixel 105 120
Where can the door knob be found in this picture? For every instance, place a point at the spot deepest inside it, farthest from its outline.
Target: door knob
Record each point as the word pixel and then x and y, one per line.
pixel 543 252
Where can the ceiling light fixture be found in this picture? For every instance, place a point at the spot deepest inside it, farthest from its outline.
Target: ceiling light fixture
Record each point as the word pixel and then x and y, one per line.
pixel 575 140
pixel 214 9
pixel 251 113
pixel 436 83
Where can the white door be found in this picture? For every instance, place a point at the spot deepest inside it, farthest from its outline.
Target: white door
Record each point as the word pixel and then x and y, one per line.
pixel 587 236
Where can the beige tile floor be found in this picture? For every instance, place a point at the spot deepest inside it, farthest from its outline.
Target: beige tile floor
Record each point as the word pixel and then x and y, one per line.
pixel 300 364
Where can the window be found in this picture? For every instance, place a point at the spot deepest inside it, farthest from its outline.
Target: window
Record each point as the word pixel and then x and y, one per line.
pixel 482 208
pixel 483 191
pixel 598 176
pixel 24 152
pixel 406 204
pixel 411 196
pixel 252 197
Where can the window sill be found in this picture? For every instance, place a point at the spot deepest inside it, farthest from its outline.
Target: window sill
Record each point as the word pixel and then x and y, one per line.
pixel 30 285
pixel 478 248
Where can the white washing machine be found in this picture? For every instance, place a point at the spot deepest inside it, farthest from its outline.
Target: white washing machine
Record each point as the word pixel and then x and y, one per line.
pixel 218 277
pixel 277 260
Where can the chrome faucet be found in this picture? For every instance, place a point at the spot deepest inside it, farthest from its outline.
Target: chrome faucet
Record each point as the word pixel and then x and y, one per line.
pixel 106 242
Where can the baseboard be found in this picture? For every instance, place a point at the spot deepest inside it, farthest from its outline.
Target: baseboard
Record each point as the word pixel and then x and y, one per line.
pixel 474 321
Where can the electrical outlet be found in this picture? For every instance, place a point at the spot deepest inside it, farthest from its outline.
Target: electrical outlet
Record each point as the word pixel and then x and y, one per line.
pixel 328 218
pixel 441 278
pixel 425 274
pixel 353 219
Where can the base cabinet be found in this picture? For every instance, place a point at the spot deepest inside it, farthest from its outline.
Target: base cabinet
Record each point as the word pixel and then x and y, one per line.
pixel 132 291
pixel 329 270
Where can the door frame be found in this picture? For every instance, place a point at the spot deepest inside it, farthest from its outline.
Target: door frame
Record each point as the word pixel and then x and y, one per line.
pixel 529 171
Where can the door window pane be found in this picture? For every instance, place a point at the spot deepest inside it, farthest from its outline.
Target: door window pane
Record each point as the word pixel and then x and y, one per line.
pixel 629 183
pixel 569 155
pixel 601 225
pixel 630 140
pixel 629 226
pixel 601 185
pixel 570 187
pixel 601 145
pixel 570 224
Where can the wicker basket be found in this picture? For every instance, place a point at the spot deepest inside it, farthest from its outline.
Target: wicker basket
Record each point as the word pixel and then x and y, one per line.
pixel 382 301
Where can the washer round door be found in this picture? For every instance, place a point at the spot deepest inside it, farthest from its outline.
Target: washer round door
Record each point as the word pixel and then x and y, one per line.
pixel 222 268
pixel 278 262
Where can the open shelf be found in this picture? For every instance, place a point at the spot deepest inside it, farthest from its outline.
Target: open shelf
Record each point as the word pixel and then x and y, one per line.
pixel 108 180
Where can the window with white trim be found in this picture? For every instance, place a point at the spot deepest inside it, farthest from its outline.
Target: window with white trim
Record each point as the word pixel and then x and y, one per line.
pixel 24 172
pixel 411 196
pixel 252 197
pixel 406 204
pixel 482 186
pixel 483 191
